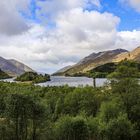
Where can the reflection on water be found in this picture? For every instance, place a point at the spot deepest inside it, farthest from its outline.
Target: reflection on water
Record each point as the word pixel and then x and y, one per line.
pixel 70 81
pixel 73 81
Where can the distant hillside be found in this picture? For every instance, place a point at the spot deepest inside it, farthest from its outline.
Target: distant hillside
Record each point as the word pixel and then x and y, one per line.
pixel 13 67
pixel 3 75
pixel 61 71
pixel 92 61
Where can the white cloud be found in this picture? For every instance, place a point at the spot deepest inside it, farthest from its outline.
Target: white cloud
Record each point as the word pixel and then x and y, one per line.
pixel 128 39
pixel 53 8
pixel 77 34
pixel 133 3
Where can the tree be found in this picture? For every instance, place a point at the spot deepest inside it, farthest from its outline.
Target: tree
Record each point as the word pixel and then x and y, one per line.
pixel 37 112
pixel 125 85
pixel 18 112
pixel 71 128
pixel 24 110
pixel 119 128
pixel 82 100
pixel 114 123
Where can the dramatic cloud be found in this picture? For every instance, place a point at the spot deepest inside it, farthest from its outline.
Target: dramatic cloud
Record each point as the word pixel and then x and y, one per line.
pixel 11 22
pixel 77 34
pixel 71 33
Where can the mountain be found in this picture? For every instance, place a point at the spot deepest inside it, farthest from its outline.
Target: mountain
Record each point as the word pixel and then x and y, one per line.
pixel 61 71
pixel 13 67
pixel 20 65
pixel 94 60
pixel 3 75
pixel 133 55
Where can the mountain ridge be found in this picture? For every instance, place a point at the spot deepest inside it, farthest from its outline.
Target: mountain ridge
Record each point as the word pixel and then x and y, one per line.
pixel 133 55
pixel 93 60
pixel 13 67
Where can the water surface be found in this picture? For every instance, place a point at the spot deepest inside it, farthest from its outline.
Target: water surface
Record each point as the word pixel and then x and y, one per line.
pixel 70 81
pixel 73 81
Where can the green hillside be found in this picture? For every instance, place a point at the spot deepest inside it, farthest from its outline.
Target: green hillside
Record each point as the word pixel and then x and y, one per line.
pixel 105 70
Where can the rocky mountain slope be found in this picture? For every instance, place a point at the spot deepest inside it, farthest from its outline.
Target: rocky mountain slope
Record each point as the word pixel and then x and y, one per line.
pixel 133 55
pixel 13 67
pixel 94 60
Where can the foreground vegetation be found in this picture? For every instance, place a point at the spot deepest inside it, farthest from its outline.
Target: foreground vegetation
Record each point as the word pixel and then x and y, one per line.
pixel 33 77
pixel 29 112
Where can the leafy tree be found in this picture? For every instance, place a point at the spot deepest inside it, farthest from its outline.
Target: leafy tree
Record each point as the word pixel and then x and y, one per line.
pixel 119 128
pixel 125 85
pixel 82 100
pixel 114 123
pixel 125 69
pixel 69 128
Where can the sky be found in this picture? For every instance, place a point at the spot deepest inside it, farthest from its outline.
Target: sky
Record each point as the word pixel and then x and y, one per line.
pixel 50 34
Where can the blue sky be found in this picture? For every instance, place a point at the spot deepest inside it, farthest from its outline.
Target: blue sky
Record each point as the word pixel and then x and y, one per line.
pixel 50 34
pixel 130 19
